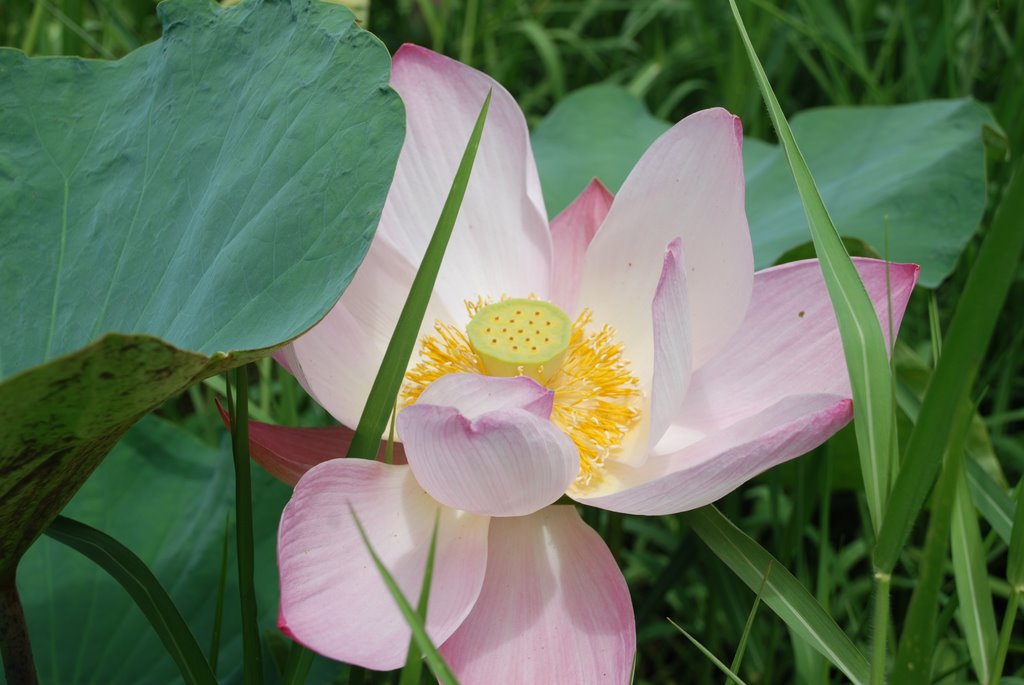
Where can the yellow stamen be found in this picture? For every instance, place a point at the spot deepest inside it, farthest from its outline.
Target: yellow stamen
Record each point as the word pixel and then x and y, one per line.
pixel 596 400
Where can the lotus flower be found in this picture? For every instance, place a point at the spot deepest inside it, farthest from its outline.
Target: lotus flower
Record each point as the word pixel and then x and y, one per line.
pixel 625 355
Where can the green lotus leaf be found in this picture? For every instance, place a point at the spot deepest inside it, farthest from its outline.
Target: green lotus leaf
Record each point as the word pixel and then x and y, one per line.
pixel 172 214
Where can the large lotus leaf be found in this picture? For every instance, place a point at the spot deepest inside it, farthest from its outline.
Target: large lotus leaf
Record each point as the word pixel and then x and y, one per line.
pixel 916 172
pixel 165 495
pixel 210 194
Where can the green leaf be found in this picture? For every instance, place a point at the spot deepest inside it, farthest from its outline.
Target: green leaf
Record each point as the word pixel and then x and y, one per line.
pixel 139 582
pixel 782 592
pixel 164 495
pixel 917 170
pixel 564 141
pixel 214 191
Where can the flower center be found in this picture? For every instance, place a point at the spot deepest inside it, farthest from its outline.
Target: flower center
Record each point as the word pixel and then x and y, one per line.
pixel 597 398
pixel 520 337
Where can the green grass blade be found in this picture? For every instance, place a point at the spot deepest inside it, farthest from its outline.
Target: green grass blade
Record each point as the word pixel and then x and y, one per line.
pixel 388 381
pixel 419 632
pixel 867 357
pixel 972 587
pixel 966 340
pixel 151 598
pixel 737 659
pixel 251 648
pixel 413 662
pixel 711 657
pixel 913 663
pixel 783 593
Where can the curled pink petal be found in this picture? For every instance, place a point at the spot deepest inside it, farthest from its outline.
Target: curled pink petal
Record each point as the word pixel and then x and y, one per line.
pixel 333 599
pixel 554 608
pixel 571 233
pixel 493 451
pixel 673 354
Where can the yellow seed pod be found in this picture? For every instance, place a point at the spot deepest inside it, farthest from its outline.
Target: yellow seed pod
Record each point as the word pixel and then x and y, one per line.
pixel 520 337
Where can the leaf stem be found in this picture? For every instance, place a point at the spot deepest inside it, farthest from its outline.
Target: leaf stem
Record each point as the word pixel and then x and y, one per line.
pixel 880 634
pixel 15 646
pixel 253 659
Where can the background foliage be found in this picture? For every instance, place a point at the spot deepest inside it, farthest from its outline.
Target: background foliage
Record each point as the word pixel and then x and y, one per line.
pixel 675 56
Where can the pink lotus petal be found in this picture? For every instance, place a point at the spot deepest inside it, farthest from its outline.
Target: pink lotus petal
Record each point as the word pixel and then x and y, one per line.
pixel 501 243
pixel 702 472
pixel 571 233
pixel 333 599
pixel 689 183
pixel 287 452
pixel 554 608
pixel 788 345
pixel 673 358
pixel 493 451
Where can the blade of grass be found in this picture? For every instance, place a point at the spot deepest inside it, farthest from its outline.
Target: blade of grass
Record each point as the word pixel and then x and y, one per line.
pixel 966 340
pixel 783 593
pixel 419 632
pixel 711 657
pixel 252 656
pixel 972 587
pixel 864 347
pixel 413 668
pixel 151 598
pixel 388 381
pixel 741 648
